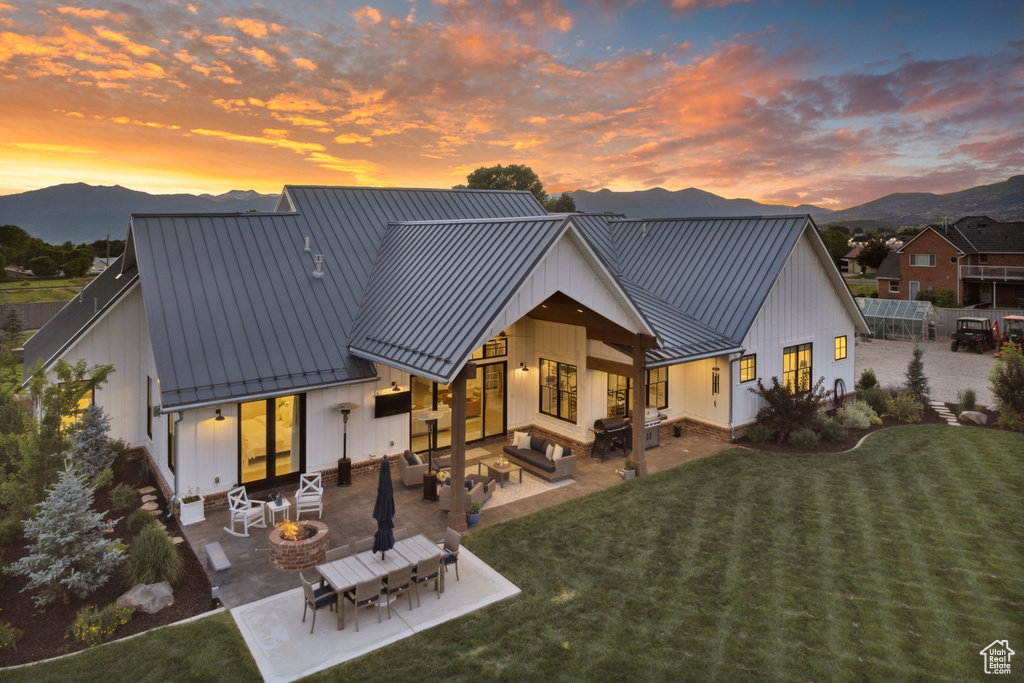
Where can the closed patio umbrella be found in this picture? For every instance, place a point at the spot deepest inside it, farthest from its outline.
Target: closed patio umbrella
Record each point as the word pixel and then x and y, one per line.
pixel 384 511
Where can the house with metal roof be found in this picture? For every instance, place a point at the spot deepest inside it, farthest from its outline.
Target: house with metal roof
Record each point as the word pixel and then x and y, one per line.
pixel 979 260
pixel 237 337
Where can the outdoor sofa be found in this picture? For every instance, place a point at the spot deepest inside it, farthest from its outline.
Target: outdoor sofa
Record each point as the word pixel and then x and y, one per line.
pixel 534 459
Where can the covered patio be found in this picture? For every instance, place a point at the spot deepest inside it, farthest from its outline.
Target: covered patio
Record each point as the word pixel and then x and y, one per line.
pixel 347 513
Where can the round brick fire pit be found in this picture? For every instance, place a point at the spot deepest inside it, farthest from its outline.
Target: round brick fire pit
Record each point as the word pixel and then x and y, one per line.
pixel 301 554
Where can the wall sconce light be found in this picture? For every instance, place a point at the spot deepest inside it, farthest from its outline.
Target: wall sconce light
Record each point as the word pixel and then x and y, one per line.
pixel 394 386
pixel 220 416
pixel 524 367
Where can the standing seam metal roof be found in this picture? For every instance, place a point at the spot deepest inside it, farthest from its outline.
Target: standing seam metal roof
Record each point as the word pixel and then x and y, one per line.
pixel 425 314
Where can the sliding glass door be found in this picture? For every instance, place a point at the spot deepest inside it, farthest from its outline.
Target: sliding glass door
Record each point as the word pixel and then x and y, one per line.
pixel 271 440
pixel 485 407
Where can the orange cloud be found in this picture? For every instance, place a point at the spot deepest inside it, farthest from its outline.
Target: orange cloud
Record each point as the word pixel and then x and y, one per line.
pixel 366 16
pixel 100 14
pixel 251 27
pixel 281 143
pixel 351 138
pixel 259 55
pixel 304 63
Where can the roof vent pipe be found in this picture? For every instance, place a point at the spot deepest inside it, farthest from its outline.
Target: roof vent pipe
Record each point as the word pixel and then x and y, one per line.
pixel 318 259
pixel 306 245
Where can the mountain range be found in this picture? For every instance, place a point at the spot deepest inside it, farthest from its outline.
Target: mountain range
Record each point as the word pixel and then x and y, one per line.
pixel 84 213
pixel 80 213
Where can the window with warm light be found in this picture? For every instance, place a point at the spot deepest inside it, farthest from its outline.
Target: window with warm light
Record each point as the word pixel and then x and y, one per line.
pixel 796 368
pixel 841 347
pixel 620 392
pixel 748 368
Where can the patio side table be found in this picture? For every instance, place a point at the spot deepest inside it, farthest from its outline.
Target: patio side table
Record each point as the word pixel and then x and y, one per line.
pixel 273 508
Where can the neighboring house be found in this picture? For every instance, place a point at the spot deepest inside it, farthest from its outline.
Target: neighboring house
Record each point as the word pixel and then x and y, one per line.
pixel 979 260
pixel 99 265
pixel 397 300
pixel 852 266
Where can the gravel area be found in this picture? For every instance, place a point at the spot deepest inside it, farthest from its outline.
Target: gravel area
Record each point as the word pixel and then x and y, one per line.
pixel 947 372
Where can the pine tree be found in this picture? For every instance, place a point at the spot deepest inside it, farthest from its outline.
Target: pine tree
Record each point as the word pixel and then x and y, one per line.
pixel 70 552
pixel 917 383
pixel 92 453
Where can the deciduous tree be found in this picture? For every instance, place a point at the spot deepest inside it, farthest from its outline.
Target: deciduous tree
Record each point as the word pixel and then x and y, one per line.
pixel 511 177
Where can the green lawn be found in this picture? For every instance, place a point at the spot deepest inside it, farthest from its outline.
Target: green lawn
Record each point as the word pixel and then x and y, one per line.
pixel 32 291
pixel 899 561
pixel 863 290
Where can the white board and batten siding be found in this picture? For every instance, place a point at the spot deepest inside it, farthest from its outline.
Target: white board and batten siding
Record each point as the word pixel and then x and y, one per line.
pixel 120 337
pixel 802 307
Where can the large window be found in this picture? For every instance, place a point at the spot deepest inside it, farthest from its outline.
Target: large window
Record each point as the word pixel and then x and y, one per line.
pixel 748 368
pixel 495 348
pixel 796 368
pixel 558 390
pixel 922 259
pixel 841 347
pixel 270 438
pixel 620 392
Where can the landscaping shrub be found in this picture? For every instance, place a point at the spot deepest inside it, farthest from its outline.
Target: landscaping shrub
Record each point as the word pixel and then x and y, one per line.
pixel 876 398
pixel 10 531
pixel 9 637
pixel 804 438
pixel 967 400
pixel 760 433
pixel 139 520
pixel 123 497
pixel 787 411
pixel 1007 382
pixel 153 558
pixel 874 419
pixel 855 415
pixel 70 552
pixel 93 453
pixel 831 430
pixel 92 628
pixel 104 479
pixel 867 379
pixel 917 383
pixel 904 408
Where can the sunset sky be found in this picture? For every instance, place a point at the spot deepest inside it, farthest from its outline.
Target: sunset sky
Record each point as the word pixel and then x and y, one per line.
pixel 829 102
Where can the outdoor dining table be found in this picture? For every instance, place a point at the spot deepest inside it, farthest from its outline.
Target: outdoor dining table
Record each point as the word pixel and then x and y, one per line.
pixel 343 574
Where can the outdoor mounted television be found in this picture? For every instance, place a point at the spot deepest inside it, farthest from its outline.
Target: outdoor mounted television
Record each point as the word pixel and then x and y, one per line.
pixel 392 403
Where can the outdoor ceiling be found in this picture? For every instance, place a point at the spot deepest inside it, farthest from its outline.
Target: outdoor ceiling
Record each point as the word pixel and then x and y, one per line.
pixel 560 308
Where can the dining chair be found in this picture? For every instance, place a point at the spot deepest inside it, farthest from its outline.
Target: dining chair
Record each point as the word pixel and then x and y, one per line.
pixel 363 544
pixel 318 598
pixel 365 594
pixel 401 532
pixel 428 570
pixel 399 581
pixel 452 540
pixel 337 553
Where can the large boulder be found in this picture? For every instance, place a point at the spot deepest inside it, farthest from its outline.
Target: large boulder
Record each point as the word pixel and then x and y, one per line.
pixel 148 597
pixel 974 416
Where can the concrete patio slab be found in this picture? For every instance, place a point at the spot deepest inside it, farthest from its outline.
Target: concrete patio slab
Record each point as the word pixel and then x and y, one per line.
pixel 285 650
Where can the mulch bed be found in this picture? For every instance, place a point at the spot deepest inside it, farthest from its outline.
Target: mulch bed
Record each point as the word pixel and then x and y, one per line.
pixel 853 436
pixel 44 629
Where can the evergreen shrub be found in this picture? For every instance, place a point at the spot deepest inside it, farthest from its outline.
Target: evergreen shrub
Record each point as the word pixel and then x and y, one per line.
pixel 804 438
pixel 904 408
pixel 123 497
pixel 153 558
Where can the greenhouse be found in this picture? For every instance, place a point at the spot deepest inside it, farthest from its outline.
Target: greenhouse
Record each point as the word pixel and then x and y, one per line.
pixel 894 319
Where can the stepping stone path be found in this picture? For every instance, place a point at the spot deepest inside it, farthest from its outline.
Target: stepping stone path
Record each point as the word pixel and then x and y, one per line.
pixel 156 512
pixel 177 539
pixel 148 498
pixel 147 490
pixel 151 505
pixel 940 408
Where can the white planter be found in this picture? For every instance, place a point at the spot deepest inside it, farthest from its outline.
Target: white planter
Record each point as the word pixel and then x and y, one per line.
pixel 193 512
pixel 626 474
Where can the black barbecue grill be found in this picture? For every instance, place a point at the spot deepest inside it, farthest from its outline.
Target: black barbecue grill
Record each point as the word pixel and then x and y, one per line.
pixel 611 432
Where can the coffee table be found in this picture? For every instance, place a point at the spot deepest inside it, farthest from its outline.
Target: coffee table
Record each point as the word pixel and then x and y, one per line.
pixel 502 472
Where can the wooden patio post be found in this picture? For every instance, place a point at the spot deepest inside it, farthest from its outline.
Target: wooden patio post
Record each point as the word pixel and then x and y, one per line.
pixel 639 405
pixel 457 515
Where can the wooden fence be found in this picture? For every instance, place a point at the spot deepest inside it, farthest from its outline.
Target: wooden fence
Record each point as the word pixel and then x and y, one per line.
pixel 33 315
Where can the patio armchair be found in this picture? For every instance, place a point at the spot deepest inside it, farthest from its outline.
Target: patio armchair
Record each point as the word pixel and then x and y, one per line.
pixel 251 513
pixel 317 598
pixel 310 496
pixel 480 489
pixel 365 594
pixel 412 467
pixel 452 541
